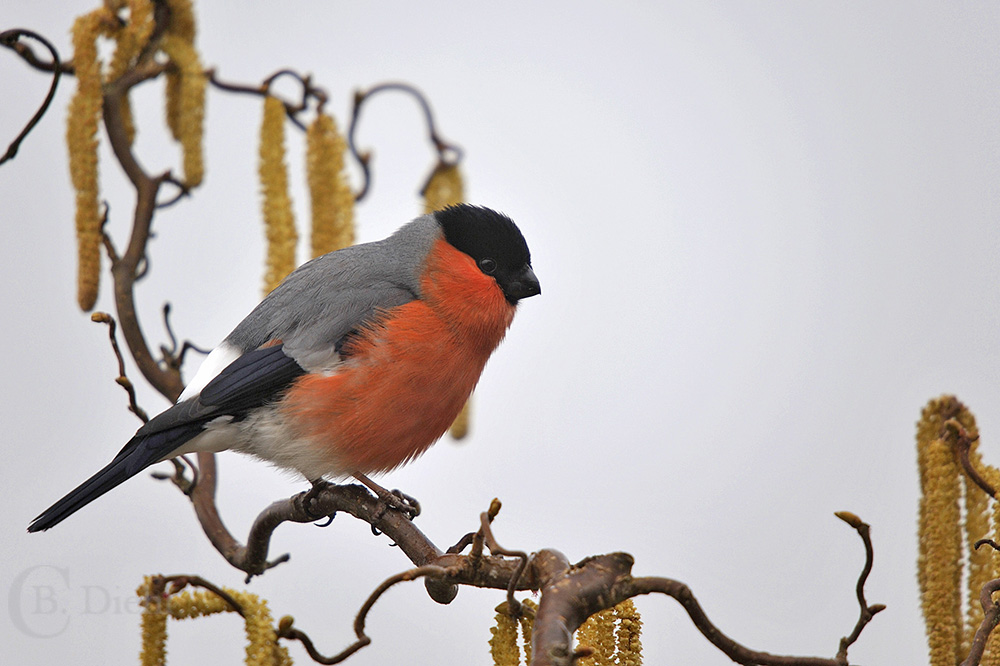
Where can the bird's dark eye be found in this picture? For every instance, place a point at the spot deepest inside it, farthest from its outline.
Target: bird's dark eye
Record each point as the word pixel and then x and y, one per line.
pixel 488 266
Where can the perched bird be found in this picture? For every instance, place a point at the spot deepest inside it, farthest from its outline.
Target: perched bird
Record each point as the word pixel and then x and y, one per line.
pixel 355 364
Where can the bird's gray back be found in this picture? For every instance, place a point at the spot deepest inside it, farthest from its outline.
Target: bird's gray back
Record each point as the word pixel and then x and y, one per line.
pixel 329 297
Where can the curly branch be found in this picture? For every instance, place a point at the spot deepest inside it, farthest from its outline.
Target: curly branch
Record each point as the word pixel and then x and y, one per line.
pixel 963 445
pixel 448 153
pixel 867 612
pixel 604 581
pixel 122 379
pixel 24 51
pixel 309 91
pixel 9 38
pixel 991 618
pixel 359 623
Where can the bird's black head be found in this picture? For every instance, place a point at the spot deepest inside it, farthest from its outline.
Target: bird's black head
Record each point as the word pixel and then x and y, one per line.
pixel 496 245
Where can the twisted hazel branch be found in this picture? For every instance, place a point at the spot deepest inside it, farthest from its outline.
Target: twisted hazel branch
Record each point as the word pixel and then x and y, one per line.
pixel 122 379
pixel 485 519
pixel 448 153
pixel 180 581
pixel 353 499
pixel 292 111
pixel 867 612
pixel 286 630
pixel 963 442
pixel 571 595
pixel 10 39
pixel 125 270
pixel 28 56
pixel 991 618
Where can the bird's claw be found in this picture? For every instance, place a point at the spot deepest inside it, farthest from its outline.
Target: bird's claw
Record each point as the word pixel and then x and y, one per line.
pixel 396 500
pixel 404 503
pixel 390 499
pixel 308 498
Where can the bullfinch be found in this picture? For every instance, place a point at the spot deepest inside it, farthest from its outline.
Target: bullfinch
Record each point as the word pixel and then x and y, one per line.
pixel 355 364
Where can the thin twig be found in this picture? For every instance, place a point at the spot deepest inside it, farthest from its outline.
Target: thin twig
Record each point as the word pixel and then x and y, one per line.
pixel 735 651
pixel 867 612
pixel 23 50
pixel 180 581
pixel 122 380
pixel 485 519
pixel 991 617
pixel 359 623
pixel 172 356
pixel 182 191
pixel 447 152
pixel 309 91
pixel 963 445
pixel 9 38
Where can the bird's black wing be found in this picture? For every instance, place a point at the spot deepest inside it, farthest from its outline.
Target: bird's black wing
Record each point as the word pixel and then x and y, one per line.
pixel 253 379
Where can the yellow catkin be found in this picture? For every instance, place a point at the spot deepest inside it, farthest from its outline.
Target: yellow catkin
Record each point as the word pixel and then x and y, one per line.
pixel 940 554
pixel 330 194
pixel 460 426
pixel 182 22
pixel 154 626
pixel 628 642
pixel 598 633
pixel 445 188
pixel 154 636
pixel 527 621
pixel 262 641
pixel 181 25
pixel 279 222
pixel 186 104
pixel 130 39
pixel 503 639
pixel 82 122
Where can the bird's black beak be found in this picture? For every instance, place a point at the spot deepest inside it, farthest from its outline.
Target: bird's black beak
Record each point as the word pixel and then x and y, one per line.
pixel 523 285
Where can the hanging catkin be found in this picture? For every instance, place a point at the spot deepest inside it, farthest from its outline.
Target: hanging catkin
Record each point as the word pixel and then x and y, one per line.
pixel 185 89
pixel 130 39
pixel 331 199
pixel 82 123
pixel 939 570
pixel 279 223
pixel 186 105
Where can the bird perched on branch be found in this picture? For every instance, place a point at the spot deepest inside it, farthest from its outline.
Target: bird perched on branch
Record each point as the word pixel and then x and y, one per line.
pixel 354 365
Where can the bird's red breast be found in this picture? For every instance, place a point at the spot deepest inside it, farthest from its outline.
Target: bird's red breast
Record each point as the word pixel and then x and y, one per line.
pixel 407 375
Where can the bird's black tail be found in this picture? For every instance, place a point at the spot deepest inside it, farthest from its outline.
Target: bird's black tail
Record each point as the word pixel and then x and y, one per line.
pixel 138 454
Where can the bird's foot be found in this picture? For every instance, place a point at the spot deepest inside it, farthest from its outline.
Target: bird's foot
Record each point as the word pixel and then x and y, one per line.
pixel 307 499
pixel 391 499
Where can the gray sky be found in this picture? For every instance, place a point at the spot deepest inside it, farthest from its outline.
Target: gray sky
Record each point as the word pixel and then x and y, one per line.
pixel 766 237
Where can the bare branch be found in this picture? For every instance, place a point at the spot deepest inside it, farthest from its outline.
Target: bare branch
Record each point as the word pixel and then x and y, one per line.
pixel 359 623
pixel 485 519
pixel 448 153
pixel 122 380
pixel 963 445
pixel 179 582
pixel 166 380
pixel 309 91
pixel 991 617
pixel 9 38
pixel 867 612
pixel 55 65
